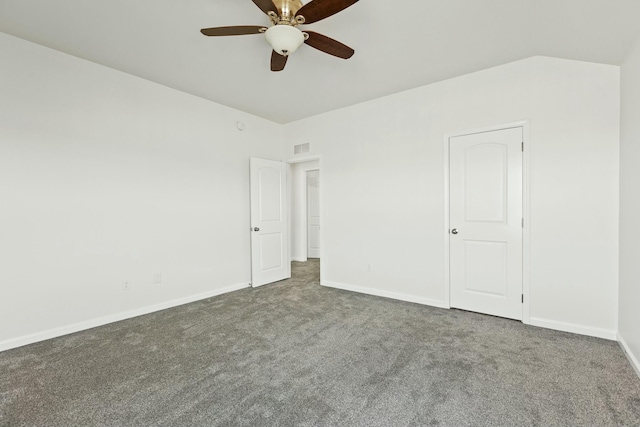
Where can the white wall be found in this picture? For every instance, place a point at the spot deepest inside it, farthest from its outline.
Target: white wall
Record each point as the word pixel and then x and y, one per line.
pixel 383 186
pixel 298 216
pixel 105 177
pixel 629 321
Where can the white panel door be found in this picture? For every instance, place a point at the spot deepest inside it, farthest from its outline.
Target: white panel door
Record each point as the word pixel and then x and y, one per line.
pixel 485 239
pixel 313 214
pixel 269 229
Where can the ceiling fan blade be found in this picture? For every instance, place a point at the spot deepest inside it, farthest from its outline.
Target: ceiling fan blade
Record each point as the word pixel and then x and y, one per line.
pixel 266 6
pixel 329 45
pixel 278 61
pixel 316 10
pixel 237 30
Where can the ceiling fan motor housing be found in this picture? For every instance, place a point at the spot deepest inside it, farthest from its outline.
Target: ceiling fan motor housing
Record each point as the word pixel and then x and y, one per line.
pixel 287 8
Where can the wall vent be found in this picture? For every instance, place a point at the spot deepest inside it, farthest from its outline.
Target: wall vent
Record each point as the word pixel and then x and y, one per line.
pixel 301 148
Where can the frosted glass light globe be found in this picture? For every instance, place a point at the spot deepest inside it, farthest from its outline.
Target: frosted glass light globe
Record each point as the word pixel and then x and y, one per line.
pixel 284 39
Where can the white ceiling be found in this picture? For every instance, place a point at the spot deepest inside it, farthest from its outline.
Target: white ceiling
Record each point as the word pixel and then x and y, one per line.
pixel 399 44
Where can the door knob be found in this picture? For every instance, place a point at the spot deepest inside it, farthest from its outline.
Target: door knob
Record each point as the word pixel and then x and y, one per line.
pixel 454 231
pixel 256 228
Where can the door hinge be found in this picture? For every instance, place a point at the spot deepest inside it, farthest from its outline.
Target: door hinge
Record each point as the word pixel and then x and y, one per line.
pixel 523 147
pixel 522 298
pixel 522 222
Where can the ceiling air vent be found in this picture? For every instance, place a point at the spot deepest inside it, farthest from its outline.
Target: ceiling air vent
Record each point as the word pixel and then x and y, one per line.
pixel 301 148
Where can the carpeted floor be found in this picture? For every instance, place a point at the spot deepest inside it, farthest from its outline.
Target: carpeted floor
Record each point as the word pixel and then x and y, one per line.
pixel 297 353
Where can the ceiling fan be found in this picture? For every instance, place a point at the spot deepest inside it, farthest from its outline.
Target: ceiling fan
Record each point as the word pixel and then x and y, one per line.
pixel 284 36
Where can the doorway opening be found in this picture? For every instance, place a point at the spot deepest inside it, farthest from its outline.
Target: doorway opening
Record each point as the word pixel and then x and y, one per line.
pixel 305 190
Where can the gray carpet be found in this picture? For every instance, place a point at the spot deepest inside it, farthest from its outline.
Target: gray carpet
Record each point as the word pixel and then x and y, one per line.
pixel 296 353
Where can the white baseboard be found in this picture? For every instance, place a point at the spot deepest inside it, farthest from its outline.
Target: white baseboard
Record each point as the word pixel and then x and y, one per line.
pixel 574 328
pixel 549 324
pixel 88 324
pixel 298 259
pixel 385 294
pixel 627 351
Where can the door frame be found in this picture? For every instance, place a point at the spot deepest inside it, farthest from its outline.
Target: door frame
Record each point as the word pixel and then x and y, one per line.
pixel 303 159
pixel 526 209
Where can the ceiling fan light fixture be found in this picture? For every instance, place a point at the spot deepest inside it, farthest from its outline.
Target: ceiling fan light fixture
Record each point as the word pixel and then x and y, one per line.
pixel 283 36
pixel 284 39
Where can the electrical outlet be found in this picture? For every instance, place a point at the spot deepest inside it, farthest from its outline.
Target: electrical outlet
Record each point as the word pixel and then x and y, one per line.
pixel 126 285
pixel 157 278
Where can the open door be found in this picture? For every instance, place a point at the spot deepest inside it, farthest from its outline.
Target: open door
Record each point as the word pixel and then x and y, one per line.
pixel 269 227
